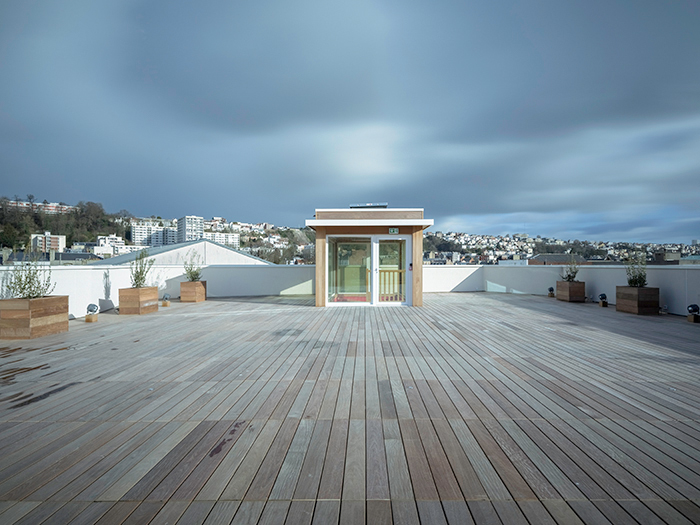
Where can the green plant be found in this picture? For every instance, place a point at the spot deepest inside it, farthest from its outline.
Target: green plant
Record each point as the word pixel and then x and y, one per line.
pixel 30 281
pixel 140 268
pixel 570 270
pixel 193 268
pixel 636 268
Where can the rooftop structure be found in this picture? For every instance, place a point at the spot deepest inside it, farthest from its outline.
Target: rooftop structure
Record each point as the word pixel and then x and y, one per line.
pixel 369 254
pixel 477 407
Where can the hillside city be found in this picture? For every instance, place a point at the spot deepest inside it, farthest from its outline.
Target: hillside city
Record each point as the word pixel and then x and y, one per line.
pixel 99 235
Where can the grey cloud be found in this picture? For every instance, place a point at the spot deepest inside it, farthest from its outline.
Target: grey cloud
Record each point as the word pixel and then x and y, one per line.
pixel 570 117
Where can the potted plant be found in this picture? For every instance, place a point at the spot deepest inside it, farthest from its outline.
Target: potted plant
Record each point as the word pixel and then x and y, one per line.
pixel 139 299
pixel 30 311
pixel 194 290
pixel 636 297
pixel 569 289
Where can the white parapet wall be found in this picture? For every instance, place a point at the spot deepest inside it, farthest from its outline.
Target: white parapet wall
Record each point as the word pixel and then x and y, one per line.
pixel 678 286
pixel 100 284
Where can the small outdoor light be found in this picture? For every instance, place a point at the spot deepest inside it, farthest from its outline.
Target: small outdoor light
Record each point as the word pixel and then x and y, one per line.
pixel 603 300
pixel 694 313
pixel 551 292
pixel 166 299
pixel 92 311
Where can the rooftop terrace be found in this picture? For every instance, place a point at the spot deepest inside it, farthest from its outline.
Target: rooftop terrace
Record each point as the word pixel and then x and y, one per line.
pixel 478 406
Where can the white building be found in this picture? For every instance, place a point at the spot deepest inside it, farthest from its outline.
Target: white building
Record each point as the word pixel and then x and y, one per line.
pixel 108 245
pixel 45 242
pixel 151 233
pixel 228 239
pixel 190 228
pixel 110 240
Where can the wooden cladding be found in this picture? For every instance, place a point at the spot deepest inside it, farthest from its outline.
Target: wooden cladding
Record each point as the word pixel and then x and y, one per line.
pixel 369 214
pixel 138 301
pixel 639 301
pixel 31 318
pixel 193 291
pixel 571 291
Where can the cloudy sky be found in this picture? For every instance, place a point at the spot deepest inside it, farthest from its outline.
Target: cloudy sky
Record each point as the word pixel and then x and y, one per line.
pixel 576 119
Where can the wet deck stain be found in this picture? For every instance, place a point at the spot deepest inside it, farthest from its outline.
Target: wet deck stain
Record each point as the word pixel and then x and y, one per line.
pixel 293 332
pixel 7 377
pixel 12 396
pixel 43 396
pixel 56 350
pixel 6 352
pixel 218 448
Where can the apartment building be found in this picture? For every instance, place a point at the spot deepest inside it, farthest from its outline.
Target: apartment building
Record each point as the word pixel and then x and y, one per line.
pixel 190 228
pixel 228 239
pixel 45 242
pixel 44 207
pixel 151 233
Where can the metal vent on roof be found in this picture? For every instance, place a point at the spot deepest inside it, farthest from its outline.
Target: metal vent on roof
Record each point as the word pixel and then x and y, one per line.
pixel 371 205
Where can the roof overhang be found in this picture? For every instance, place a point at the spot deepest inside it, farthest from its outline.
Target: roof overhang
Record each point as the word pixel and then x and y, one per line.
pixel 313 223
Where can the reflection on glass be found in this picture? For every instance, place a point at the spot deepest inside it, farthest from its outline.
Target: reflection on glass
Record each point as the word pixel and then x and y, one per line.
pixel 349 266
pixel 392 271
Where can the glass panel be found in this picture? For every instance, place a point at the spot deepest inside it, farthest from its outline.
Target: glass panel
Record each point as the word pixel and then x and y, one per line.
pixel 349 270
pixel 392 271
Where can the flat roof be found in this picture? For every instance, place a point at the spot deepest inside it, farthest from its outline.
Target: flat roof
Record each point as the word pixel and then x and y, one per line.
pixel 266 409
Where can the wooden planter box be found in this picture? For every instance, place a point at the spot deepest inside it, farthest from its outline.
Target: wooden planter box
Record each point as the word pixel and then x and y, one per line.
pixel 31 318
pixel 639 301
pixel 137 301
pixel 193 291
pixel 571 292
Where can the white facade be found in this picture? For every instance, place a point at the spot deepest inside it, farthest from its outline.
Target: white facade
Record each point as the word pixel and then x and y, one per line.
pixel 229 239
pixel 108 245
pixel 190 228
pixel 121 250
pixel 110 240
pixel 148 233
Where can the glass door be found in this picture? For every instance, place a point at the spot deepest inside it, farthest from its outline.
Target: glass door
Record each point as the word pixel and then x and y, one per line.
pixel 392 271
pixel 349 270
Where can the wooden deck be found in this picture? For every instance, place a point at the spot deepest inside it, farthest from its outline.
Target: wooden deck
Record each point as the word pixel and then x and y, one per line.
pixel 483 408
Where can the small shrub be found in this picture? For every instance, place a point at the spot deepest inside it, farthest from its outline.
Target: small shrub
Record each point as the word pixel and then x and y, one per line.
pixel 570 271
pixel 193 268
pixel 29 281
pixel 140 268
pixel 636 268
